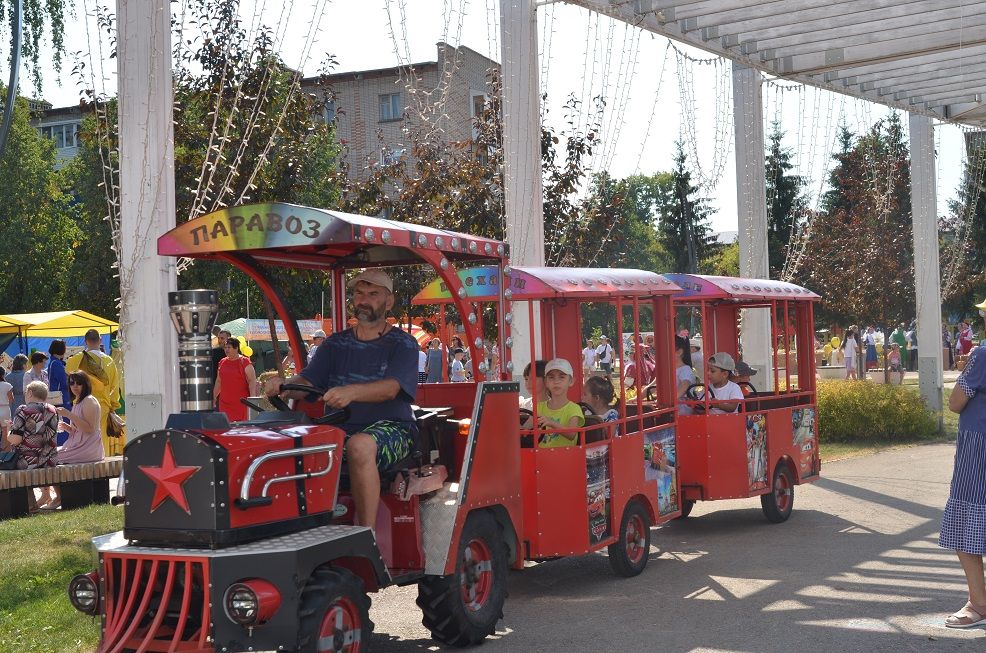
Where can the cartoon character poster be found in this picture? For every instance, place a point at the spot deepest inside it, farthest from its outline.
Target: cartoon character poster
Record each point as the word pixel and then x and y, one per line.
pixel 661 465
pixel 805 440
pixel 597 489
pixel 756 451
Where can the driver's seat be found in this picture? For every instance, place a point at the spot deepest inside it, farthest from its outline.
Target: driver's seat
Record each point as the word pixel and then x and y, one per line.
pixel 423 434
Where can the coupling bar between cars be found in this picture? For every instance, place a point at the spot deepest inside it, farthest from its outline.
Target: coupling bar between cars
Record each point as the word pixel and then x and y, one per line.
pixel 244 501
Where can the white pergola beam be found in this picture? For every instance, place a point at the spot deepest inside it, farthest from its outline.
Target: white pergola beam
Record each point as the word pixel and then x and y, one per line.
pixel 882 15
pixel 893 49
pixel 868 34
pixel 923 75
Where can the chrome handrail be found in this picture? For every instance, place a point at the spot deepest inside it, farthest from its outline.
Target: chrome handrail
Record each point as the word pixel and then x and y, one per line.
pixel 289 453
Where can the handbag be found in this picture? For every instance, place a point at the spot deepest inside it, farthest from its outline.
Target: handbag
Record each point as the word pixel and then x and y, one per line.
pixel 115 426
pixel 8 461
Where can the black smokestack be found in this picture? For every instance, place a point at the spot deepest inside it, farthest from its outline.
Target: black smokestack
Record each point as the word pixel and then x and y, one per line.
pixel 193 312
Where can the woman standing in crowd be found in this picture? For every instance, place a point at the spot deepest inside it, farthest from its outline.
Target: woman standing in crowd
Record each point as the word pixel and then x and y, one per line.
pixel 32 432
pixel 963 528
pixel 37 371
pixel 16 379
pixel 849 348
pixel 58 392
pixel 236 380
pixel 6 399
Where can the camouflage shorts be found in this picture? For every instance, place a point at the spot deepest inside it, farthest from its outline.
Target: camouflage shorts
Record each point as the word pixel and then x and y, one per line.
pixel 393 440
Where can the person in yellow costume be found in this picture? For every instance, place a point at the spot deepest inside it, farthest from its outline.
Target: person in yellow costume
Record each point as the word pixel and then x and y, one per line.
pixel 105 381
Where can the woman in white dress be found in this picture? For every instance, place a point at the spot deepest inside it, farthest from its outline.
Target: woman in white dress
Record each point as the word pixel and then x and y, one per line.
pixel 850 349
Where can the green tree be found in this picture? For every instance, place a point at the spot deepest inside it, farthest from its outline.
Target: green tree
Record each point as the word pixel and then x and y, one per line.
pixel 861 258
pixel 39 16
pixel 786 203
pixel 963 256
pixel 243 133
pixel 39 234
pixel 683 226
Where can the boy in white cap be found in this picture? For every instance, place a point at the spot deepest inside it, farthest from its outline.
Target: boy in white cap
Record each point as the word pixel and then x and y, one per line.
pixel 557 412
pixel 726 393
pixel 317 338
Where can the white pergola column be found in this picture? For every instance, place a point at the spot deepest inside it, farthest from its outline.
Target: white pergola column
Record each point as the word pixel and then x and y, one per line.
pixel 751 204
pixel 927 282
pixel 521 154
pixel 147 210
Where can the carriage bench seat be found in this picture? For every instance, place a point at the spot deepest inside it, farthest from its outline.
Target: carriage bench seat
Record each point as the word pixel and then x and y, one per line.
pixel 81 484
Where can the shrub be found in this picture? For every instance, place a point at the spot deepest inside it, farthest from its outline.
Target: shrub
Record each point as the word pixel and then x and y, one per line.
pixel 859 410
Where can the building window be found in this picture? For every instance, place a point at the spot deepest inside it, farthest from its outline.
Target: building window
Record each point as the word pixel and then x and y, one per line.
pixel 330 111
pixel 478 104
pixel 391 155
pixel 390 107
pixel 64 135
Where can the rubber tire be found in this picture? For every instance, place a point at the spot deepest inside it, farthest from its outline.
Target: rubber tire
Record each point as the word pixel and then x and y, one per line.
pixel 326 587
pixel 444 613
pixel 776 511
pixel 619 559
pixel 686 508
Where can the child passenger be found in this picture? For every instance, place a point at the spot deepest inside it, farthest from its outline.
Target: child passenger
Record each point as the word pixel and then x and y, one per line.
pixel 558 412
pixel 598 394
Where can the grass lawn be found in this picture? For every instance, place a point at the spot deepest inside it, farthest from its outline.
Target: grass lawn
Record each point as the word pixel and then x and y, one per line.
pixel 40 556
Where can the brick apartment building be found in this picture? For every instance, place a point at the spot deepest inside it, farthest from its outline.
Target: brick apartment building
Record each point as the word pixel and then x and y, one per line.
pixel 374 109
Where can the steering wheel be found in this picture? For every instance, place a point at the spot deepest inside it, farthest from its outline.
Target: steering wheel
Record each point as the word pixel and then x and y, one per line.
pixel 748 386
pixel 650 393
pixel 312 393
pixel 525 414
pixel 257 407
pixel 692 393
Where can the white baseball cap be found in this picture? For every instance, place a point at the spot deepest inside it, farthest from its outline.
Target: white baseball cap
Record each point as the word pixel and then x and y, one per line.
pixel 559 364
pixel 723 361
pixel 375 276
pixel 318 334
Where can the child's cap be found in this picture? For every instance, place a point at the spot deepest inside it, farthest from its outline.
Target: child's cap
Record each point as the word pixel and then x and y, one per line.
pixel 559 364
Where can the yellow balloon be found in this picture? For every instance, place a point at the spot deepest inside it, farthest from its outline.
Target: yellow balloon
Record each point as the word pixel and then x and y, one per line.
pixel 246 350
pixel 827 350
pixel 835 342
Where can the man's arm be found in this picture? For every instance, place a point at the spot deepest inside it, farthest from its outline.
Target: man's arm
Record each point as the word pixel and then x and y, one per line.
pixel 372 392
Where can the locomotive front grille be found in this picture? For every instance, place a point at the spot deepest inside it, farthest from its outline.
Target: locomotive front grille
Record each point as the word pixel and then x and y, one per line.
pixel 155 604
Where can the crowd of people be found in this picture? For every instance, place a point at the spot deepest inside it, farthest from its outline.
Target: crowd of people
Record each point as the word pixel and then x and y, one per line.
pixel 56 410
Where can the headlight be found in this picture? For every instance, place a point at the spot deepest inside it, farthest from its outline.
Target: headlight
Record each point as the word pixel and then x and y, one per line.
pixel 251 602
pixel 83 592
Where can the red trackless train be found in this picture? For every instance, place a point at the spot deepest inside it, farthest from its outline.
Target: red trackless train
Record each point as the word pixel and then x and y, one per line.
pixel 240 536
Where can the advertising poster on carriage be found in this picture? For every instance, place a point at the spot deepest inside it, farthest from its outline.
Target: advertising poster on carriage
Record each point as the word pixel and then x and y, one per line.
pixel 597 487
pixel 756 451
pixel 661 465
pixel 805 440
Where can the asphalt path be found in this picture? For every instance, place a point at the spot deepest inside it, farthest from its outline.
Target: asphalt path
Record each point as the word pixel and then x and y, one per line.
pixel 856 568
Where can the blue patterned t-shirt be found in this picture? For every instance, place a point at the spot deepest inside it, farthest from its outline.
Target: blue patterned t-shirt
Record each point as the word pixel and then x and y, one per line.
pixel 342 359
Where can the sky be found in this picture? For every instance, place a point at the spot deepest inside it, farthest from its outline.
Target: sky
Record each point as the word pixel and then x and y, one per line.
pixel 655 93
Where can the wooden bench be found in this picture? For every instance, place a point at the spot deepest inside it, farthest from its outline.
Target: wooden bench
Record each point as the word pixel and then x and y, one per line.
pixel 81 485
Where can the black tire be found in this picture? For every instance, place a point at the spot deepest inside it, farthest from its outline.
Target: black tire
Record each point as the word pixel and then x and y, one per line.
pixel 333 597
pixel 686 508
pixel 779 502
pixel 462 609
pixel 628 555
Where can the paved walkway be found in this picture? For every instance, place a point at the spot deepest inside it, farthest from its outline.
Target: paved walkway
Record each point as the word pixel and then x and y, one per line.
pixel 856 568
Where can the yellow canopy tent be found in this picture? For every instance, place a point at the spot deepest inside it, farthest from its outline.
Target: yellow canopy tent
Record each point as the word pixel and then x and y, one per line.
pixel 36 330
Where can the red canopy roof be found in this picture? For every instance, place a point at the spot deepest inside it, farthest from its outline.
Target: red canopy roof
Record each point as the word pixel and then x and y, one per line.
pixel 301 236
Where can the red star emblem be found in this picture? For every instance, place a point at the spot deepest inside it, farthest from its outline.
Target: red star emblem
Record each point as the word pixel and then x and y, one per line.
pixel 168 480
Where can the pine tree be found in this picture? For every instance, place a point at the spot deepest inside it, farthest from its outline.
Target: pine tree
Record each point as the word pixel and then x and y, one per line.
pixel 786 203
pixel 683 225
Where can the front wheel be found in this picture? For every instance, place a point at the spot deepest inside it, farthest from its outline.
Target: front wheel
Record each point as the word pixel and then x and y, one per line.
pixel 462 609
pixel 334 614
pixel 779 502
pixel 628 555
